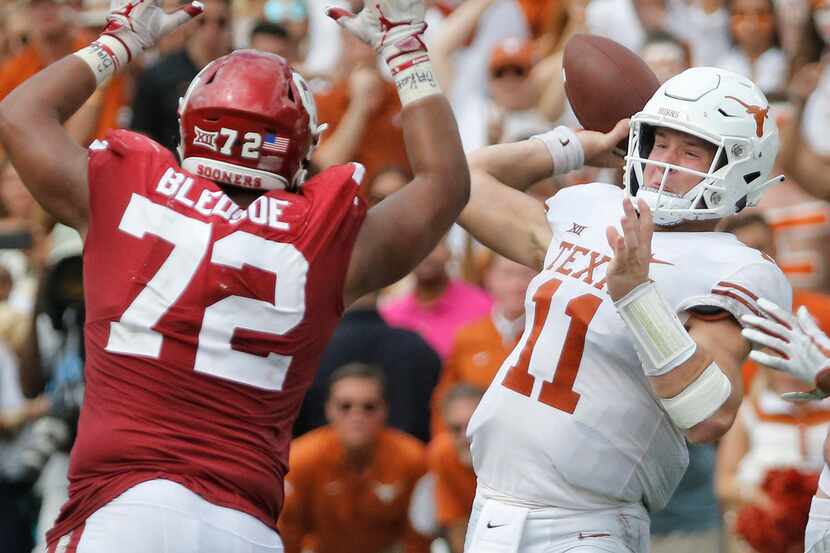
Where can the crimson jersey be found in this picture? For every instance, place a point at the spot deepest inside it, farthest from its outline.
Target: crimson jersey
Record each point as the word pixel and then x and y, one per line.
pixel 204 327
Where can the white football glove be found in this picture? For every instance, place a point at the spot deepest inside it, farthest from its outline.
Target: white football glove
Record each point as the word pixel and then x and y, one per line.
pixel 392 27
pixel 803 349
pixel 139 24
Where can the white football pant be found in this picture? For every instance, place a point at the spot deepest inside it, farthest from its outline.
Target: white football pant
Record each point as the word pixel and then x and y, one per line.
pixel 496 527
pixel 161 516
pixel 817 536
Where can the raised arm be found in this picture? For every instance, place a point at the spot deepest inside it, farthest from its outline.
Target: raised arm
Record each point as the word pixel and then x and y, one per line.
pixel 695 371
pixel 500 215
pixel 50 163
pixel 406 226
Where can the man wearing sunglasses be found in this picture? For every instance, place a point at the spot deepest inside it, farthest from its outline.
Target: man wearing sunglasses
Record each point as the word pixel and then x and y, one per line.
pixel 350 482
pixel 160 85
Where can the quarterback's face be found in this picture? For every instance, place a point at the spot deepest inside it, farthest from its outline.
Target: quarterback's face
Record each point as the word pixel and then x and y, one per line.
pixel 357 411
pixel 678 148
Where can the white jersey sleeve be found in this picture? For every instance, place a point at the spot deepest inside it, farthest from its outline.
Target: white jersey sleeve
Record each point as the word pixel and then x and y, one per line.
pixel 738 292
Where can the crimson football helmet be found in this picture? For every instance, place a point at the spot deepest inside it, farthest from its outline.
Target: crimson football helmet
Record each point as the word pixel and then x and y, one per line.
pixel 249 120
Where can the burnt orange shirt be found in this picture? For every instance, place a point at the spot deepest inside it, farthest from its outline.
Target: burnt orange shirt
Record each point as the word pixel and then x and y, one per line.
pixel 455 482
pixel 14 71
pixel 476 355
pixel 382 144
pixel 332 508
pixel 539 14
pixel 817 303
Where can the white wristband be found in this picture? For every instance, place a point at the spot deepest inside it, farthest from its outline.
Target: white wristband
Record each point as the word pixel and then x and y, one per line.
pixel 106 56
pixel 699 400
pixel 659 336
pixel 414 77
pixel 564 148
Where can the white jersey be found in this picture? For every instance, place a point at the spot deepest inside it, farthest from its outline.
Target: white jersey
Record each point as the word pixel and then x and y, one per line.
pixel 570 419
pixel 780 435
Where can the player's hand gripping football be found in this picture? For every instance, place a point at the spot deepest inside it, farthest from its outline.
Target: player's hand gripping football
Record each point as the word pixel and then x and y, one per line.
pixel 139 24
pixel 632 250
pixel 799 347
pixel 392 27
pixel 601 148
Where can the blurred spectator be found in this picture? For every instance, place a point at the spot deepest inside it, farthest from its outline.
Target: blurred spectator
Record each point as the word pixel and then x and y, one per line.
pixel 691 522
pixel 363 113
pixel 794 208
pixel 54 33
pixel 387 181
pixel 439 305
pixel 410 365
pixel 543 16
pixel 274 38
pixel 703 24
pixel 159 87
pixel 768 434
pixel 14 30
pixel 805 147
pixel 291 15
pixel 793 20
pixel 481 346
pixel 756 52
pixel 53 362
pixel 460 50
pixel 13 328
pixel 665 55
pixel 452 465
pixel 23 243
pixel 350 483
pixel 19 461
pixel 513 115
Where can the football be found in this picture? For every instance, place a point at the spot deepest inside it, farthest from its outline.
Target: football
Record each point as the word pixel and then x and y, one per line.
pixel 605 81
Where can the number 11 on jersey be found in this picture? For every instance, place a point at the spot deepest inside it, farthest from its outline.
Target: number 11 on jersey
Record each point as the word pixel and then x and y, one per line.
pixel 558 393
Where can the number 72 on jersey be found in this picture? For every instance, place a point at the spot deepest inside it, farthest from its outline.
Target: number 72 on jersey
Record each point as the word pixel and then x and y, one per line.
pixel 133 333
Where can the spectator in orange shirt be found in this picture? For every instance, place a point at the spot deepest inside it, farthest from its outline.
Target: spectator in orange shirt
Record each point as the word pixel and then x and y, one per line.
pixel 363 114
pixel 754 231
pixel 53 35
pixel 452 465
pixel 480 347
pixel 349 485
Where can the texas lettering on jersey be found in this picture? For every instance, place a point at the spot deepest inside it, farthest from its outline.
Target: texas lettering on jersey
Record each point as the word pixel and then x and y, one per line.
pixel 580 263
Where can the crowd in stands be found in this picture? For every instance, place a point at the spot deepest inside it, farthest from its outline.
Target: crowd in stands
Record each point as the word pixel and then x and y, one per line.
pixel 381 462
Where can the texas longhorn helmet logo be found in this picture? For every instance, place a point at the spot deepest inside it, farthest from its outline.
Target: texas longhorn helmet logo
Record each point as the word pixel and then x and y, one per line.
pixel 758 112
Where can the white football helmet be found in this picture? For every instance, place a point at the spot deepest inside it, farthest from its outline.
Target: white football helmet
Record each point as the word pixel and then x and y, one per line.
pixel 720 107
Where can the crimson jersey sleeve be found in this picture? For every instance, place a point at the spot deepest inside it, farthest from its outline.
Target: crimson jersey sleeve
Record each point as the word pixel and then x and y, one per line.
pixel 205 323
